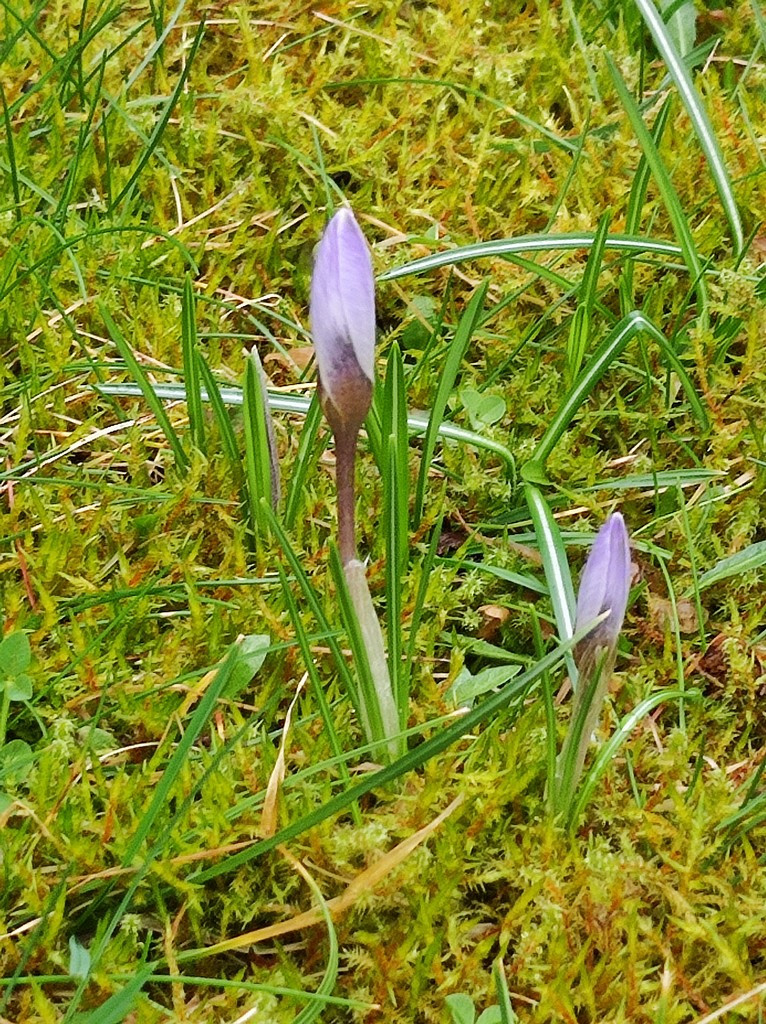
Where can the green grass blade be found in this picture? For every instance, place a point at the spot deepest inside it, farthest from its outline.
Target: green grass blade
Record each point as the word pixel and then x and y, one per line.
pixel 615 741
pixel 191 366
pixel 512 694
pixel 159 129
pixel 606 353
pixel 507 1016
pixel 312 600
pixel 313 1010
pixel 577 343
pixel 555 566
pixel 751 557
pixel 529 243
pixel 211 392
pixel 636 202
pixel 665 186
pixel 696 110
pixel 396 518
pixel 11 149
pixel 146 388
pixel 452 362
pixel 259 455
pixel 316 683
pixel 310 449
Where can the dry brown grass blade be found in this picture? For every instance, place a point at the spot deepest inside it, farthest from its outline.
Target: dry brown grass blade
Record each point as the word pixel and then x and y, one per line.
pixel 364 882
pixel 269 813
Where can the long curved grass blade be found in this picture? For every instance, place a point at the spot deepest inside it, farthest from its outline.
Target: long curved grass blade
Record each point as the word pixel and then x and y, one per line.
pixel 258 457
pixel 211 392
pixel 664 184
pixel 529 243
pixel 636 204
pixel 696 110
pixel 146 388
pixel 579 331
pixel 310 449
pixel 615 741
pixel 449 373
pixel 417 423
pixel 312 1010
pixel 609 349
pixel 162 123
pixel 511 695
pixel 555 566
pixel 191 366
pixel 751 557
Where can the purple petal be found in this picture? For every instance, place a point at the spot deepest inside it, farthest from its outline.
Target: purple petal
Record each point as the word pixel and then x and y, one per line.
pixel 605 580
pixel 343 305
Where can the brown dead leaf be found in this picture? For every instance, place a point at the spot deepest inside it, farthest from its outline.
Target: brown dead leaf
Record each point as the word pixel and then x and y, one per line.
pixel 493 616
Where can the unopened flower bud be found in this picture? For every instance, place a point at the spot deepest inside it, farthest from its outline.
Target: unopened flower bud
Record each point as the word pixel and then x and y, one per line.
pixel 343 322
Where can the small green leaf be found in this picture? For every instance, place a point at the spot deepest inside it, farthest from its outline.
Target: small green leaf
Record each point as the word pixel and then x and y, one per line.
pixel 751 557
pixel 6 802
pixel 461 1007
pixel 16 759
pixel 251 653
pixel 19 688
pixel 467 687
pixel 483 410
pixel 79 959
pixel 492 1015
pixel 15 654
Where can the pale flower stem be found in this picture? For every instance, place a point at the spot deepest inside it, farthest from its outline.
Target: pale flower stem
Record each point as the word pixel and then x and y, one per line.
pixel 345 458
pixel 369 625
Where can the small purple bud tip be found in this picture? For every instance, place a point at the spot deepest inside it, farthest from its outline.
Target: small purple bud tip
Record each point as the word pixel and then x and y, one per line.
pixel 343 319
pixel 605 582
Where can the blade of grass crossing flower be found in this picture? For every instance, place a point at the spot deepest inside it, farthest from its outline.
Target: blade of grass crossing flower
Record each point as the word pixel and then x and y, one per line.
pixel 451 367
pixel 417 423
pixel 310 448
pixel 577 344
pixel 316 683
pixel 615 741
pixel 665 186
pixel 636 202
pixel 696 110
pixel 555 566
pixel 147 390
pixel 510 697
pixel 587 708
pixel 191 366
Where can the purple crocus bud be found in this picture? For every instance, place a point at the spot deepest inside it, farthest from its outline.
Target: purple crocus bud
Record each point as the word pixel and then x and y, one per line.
pixel 343 322
pixel 605 584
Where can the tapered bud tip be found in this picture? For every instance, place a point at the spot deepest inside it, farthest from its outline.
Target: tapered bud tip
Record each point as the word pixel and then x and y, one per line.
pixel 605 581
pixel 343 313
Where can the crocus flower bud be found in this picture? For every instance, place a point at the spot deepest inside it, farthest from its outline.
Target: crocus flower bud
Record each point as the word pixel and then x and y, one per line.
pixel 343 322
pixel 604 588
pixel 605 584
